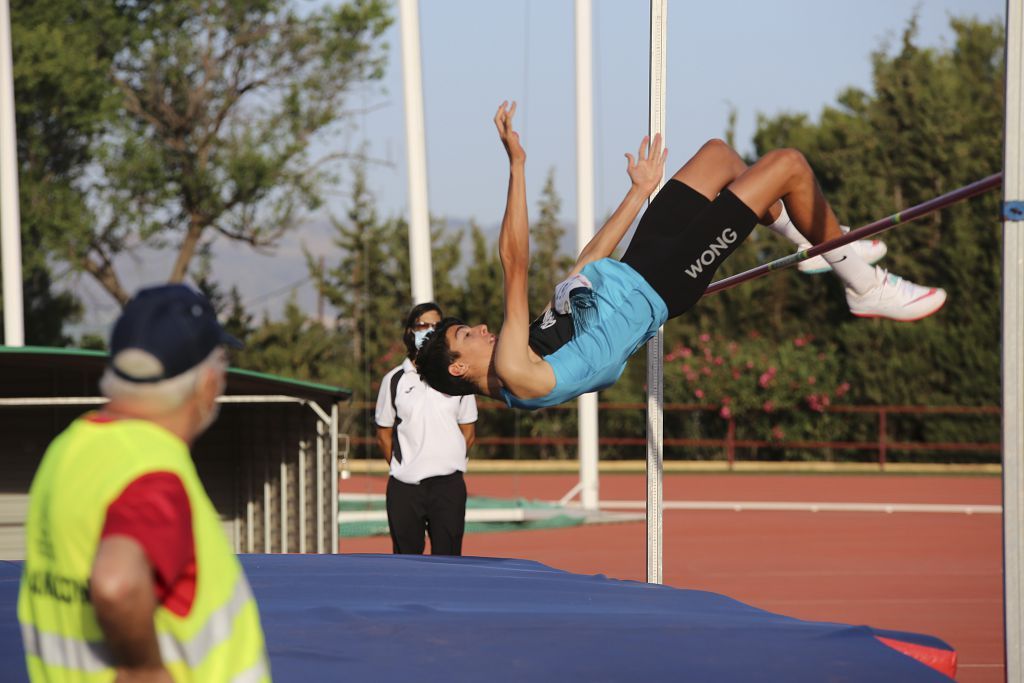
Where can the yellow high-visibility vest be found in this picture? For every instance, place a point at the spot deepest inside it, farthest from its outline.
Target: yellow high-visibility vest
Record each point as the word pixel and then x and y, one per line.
pixel 83 471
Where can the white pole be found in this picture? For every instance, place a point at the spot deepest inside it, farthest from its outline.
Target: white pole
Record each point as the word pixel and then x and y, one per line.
pixel 416 150
pixel 587 404
pixel 10 217
pixel 1013 344
pixel 335 532
pixel 656 346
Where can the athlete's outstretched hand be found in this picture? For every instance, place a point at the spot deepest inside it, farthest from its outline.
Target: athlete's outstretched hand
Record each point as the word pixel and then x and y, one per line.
pixel 649 166
pixel 509 138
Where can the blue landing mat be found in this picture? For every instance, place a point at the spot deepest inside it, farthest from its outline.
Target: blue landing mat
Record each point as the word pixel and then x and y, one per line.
pixel 369 618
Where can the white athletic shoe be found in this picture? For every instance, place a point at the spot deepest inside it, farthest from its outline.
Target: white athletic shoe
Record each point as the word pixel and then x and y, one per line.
pixel 871 251
pixel 894 298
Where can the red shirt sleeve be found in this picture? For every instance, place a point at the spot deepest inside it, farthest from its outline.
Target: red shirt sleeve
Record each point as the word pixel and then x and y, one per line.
pixel 154 511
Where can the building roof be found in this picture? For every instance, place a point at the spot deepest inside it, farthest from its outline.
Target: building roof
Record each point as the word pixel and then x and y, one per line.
pixel 42 371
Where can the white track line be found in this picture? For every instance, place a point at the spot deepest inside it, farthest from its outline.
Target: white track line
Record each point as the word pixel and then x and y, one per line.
pixel 740 506
pixel 785 506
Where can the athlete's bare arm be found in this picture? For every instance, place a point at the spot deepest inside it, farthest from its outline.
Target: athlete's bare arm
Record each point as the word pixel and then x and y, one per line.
pixel 645 172
pixel 520 371
pixel 123 594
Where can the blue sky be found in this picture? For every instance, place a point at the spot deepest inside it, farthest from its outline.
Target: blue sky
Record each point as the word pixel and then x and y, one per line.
pixel 758 57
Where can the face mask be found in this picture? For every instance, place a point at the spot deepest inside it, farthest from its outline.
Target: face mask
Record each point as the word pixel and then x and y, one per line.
pixel 420 336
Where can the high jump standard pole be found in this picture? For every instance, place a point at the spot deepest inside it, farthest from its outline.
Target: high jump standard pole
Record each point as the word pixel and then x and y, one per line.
pixel 656 346
pixel 587 429
pixel 416 154
pixel 10 217
pixel 1013 344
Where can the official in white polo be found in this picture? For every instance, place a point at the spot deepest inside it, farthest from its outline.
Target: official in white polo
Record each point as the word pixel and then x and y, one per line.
pixel 425 437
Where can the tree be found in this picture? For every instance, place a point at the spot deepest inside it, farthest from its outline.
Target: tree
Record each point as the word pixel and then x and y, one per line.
pixel 62 52
pixel 219 103
pixel 369 286
pixel 446 257
pixel 236 321
pixel 932 125
pixel 295 347
pixel 548 264
pixel 484 291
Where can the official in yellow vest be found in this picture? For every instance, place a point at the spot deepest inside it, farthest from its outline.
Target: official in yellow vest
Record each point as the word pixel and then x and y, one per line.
pixel 128 574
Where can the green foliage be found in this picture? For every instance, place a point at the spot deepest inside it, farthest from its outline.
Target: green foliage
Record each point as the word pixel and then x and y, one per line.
pixel 772 389
pixel 169 125
pixel 295 347
pixel 932 125
pixel 754 374
pixel 368 287
pixel 548 264
pixel 874 153
pixel 446 259
pixel 484 294
pixel 62 52
pixel 187 122
pixel 45 311
pixel 229 307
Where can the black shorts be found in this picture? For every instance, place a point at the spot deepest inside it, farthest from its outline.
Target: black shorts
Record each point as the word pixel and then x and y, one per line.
pixel 683 238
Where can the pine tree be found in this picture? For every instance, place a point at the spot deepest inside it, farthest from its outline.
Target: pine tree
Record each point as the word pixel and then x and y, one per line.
pixel 482 298
pixel 368 287
pixel 446 257
pixel 548 263
pixel 295 347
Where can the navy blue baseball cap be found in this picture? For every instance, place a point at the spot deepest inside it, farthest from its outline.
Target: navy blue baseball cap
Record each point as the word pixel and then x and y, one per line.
pixel 173 326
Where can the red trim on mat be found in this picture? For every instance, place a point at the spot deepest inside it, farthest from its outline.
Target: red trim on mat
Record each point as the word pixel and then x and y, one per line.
pixel 943 661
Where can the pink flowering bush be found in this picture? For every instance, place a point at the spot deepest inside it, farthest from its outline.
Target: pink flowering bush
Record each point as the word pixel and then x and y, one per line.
pixel 779 390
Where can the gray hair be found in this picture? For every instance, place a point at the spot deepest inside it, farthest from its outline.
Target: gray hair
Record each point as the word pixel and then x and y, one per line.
pixel 165 395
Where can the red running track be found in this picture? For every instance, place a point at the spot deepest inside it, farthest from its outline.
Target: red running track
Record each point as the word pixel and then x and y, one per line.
pixel 934 573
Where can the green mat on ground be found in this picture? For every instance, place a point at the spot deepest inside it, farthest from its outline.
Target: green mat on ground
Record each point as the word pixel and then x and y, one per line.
pixel 354 529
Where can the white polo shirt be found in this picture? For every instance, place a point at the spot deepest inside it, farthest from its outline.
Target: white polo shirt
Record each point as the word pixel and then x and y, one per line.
pixel 427 439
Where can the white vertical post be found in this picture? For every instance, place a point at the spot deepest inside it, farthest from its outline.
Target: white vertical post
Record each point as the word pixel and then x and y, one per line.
pixel 587 429
pixel 267 497
pixel 320 501
pixel 284 502
pixel 303 453
pixel 250 494
pixel 1013 344
pixel 335 533
pixel 416 151
pixel 10 216
pixel 655 347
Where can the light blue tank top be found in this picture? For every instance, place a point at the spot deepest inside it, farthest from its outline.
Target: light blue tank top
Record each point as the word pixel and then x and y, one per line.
pixel 629 312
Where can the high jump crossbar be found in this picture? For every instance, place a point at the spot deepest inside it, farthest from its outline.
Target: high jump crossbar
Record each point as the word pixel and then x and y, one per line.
pixel 906 215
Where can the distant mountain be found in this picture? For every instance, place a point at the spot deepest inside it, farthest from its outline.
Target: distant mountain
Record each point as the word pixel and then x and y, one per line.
pixel 266 279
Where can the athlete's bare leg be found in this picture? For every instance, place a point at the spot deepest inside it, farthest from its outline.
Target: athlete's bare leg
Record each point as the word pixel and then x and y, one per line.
pixel 785 174
pixel 713 168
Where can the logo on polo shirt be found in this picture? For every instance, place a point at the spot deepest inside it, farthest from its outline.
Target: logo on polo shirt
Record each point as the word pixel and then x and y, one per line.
pixel 711 254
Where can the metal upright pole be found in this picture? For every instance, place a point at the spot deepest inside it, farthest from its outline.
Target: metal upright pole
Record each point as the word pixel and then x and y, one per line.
pixel 335 531
pixel 656 346
pixel 416 150
pixel 587 404
pixel 1013 344
pixel 10 216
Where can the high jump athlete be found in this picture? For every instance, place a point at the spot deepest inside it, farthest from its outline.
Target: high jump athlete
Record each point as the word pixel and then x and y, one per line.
pixel 607 309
